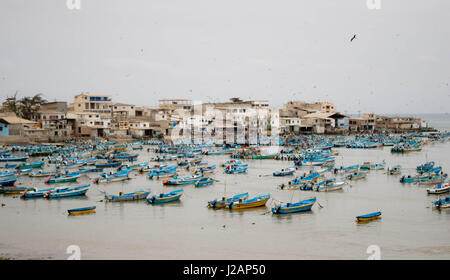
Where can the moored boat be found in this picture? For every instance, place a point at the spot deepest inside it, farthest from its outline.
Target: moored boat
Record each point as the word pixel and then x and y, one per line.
pixel 368 217
pixel 442 203
pixel 285 172
pixel 164 198
pixel 137 195
pixel 395 170
pixel 80 211
pixel 249 203
pixel 439 188
pixel 204 182
pixel 65 178
pixel 64 191
pixel 34 193
pixel 217 204
pixel 301 206
pixel 5 182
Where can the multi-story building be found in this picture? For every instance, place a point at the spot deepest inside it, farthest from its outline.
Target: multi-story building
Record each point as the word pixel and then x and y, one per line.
pixel 92 103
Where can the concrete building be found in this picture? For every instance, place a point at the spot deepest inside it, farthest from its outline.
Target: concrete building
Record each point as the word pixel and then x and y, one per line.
pixel 92 103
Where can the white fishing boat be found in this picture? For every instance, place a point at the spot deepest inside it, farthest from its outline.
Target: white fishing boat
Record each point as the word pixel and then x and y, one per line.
pixel 439 188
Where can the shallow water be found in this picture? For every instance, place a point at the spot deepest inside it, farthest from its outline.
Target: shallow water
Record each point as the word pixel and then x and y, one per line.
pixel 409 228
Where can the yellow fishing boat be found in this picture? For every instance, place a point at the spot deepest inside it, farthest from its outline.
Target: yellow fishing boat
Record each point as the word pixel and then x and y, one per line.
pixel 249 203
pixel 80 211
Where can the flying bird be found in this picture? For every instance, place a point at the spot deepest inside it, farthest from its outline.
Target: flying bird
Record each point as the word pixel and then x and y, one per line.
pixel 353 38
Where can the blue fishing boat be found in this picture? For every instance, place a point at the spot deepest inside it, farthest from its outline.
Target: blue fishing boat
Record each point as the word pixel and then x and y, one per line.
pixel 35 193
pixel 63 178
pixel 164 198
pixel 13 158
pixel 41 173
pixel 368 217
pixel 112 164
pixel 92 169
pixel 425 167
pixel 348 169
pixel 112 177
pixel 79 211
pixel 137 195
pixel 204 182
pixel 61 192
pixel 5 182
pixel 442 203
pixel 7 174
pixel 160 174
pixel 236 169
pixel 408 179
pixel 301 206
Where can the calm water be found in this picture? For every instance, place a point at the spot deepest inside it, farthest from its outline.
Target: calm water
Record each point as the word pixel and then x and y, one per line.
pixel 409 228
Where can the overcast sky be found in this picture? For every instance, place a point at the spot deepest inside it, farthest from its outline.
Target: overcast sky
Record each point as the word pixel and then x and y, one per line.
pixel 140 51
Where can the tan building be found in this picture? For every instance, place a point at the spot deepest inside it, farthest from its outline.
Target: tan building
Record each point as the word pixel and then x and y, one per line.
pixel 92 103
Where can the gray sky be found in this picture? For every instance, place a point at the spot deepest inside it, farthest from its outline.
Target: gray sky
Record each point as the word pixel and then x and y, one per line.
pixel 142 50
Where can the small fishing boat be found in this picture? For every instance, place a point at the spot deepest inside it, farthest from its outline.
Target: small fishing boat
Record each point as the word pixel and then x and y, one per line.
pixel 80 211
pixel 14 190
pixel 137 195
pixel 162 174
pixel 380 166
pixel 164 198
pixel 7 174
pixel 64 191
pixel 367 166
pixel 13 158
pixel 204 182
pixel 65 178
pixel 208 168
pixel 432 180
pixel 112 177
pixel 112 164
pixel 331 185
pixel 136 166
pixel 73 164
pixel 348 169
pixel 442 203
pixel 301 206
pixel 182 180
pixel 41 173
pixel 357 175
pixel 37 164
pixel 368 217
pixel 395 170
pixel 217 204
pixel 249 203
pixel 34 193
pixel 439 188
pixel 408 179
pixel 235 169
pixel 5 182
pixel 285 172
pixel 425 167
pixel 92 169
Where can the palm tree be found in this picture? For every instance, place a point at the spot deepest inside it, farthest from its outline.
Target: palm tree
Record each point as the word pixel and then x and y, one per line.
pixel 27 107
pixel 10 105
